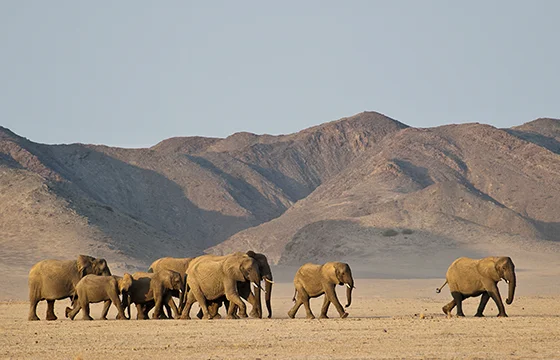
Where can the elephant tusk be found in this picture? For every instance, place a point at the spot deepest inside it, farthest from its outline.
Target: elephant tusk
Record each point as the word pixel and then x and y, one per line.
pixel 267 280
pixel 348 286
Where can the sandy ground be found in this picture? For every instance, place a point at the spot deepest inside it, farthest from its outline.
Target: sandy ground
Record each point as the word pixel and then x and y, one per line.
pixel 394 319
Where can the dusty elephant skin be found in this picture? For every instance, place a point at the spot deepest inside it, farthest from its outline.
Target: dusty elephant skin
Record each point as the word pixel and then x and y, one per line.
pixel 95 289
pixel 153 290
pixel 179 265
pixel 56 280
pixel 312 280
pixel 211 277
pixel 244 289
pixel 471 278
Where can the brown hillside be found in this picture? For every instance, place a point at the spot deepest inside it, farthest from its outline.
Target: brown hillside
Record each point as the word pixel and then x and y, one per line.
pixel 461 185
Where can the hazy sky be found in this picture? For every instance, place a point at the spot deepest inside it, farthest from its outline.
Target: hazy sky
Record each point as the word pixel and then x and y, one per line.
pixel 131 73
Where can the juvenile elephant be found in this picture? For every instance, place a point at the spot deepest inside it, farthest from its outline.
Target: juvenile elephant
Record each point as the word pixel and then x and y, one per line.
pixel 472 277
pixel 211 277
pixel 56 280
pixel 244 289
pixel 179 265
pixel 312 280
pixel 94 289
pixel 153 290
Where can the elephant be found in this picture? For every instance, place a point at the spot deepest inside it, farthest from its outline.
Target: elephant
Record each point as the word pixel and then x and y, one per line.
pixel 153 290
pixel 179 265
pixel 244 289
pixel 94 289
pixel 473 277
pixel 56 280
pixel 211 277
pixel 312 280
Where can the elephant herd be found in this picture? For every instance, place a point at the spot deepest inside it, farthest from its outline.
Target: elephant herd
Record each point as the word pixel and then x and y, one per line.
pixel 213 281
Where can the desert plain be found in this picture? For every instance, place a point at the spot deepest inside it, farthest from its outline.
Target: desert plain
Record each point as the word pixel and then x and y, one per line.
pixel 389 319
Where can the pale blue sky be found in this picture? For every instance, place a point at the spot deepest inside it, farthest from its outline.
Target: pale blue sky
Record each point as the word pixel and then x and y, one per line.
pixel 131 73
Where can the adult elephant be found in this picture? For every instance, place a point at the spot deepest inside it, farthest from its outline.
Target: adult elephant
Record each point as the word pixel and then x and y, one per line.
pixel 473 277
pixel 153 290
pixel 53 280
pixel 244 289
pixel 179 265
pixel 312 280
pixel 211 277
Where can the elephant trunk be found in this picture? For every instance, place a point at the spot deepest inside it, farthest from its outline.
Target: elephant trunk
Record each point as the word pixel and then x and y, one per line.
pixel 268 294
pixel 182 296
pixel 512 283
pixel 349 288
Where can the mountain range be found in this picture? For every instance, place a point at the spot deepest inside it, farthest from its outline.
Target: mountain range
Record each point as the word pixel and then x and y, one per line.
pixel 366 188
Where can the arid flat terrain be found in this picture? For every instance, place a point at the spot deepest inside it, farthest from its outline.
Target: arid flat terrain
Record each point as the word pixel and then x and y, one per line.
pixel 389 319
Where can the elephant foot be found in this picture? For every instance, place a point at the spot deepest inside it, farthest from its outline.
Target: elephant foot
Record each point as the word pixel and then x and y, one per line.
pixel 51 317
pixel 88 318
pixel 33 318
pixel 445 310
pixel 344 316
pixel 478 315
pixel 120 317
pixel 67 311
pixel 323 316
pixel 502 315
pixel 217 316
pixel 460 315
pixel 291 314
pixel 310 317
pixel 255 314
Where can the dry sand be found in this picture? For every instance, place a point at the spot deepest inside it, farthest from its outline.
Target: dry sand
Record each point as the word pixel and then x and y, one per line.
pixel 394 319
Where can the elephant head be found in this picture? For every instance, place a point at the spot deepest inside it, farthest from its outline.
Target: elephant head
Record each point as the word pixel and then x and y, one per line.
pixel 249 269
pixel 124 284
pixel 344 277
pixel 266 274
pixel 176 282
pixel 506 270
pixel 90 265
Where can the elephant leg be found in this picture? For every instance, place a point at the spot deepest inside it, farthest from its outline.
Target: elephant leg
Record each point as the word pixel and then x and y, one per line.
pixel 158 308
pixel 201 299
pixel 325 308
pixel 172 309
pixel 50 310
pixel 85 311
pixel 106 306
pixel 33 310
pixel 447 308
pixel 246 293
pixel 495 295
pixel 458 298
pixel 484 299
pixel 186 313
pixel 117 302
pixel 140 312
pixel 71 313
pixel 235 299
pixel 330 293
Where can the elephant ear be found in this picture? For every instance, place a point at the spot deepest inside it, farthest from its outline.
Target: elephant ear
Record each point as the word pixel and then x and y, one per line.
pixel 252 254
pixel 84 264
pixel 125 283
pixel 338 273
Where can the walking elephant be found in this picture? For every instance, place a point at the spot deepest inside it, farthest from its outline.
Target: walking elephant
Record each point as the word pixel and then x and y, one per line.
pixel 152 290
pixel 211 277
pixel 52 280
pixel 471 277
pixel 244 289
pixel 312 280
pixel 94 289
pixel 179 265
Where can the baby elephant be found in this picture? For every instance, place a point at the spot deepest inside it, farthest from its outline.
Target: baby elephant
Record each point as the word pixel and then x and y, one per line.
pixel 313 280
pixel 94 289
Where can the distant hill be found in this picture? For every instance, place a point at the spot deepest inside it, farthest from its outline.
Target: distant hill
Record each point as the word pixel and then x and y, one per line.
pixel 366 188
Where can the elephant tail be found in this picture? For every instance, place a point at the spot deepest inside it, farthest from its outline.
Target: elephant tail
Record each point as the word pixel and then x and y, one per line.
pixel 438 290
pixel 294 298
